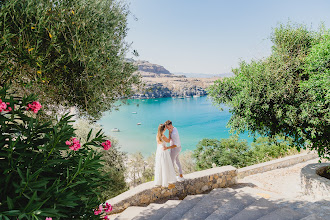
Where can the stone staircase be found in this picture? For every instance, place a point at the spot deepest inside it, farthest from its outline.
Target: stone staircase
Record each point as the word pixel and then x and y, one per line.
pixel 228 203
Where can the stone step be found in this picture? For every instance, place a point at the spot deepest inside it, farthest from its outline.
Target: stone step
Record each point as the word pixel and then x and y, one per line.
pixel 283 214
pixel 256 210
pixel 170 204
pixel 130 213
pixel 314 217
pixel 149 211
pixel 236 204
pixel 184 206
pixel 211 202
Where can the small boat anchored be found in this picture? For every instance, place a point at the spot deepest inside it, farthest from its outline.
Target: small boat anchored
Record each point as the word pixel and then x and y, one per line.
pixel 139 123
pixel 134 112
pixel 115 130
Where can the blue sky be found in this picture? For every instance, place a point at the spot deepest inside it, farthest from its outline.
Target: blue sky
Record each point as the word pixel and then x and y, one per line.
pixel 212 36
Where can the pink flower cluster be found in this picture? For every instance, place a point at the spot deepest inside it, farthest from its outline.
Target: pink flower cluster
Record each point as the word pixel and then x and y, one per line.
pixel 49 218
pixel 4 105
pixel 73 144
pixel 106 145
pixel 99 210
pixel 35 107
pixel 107 208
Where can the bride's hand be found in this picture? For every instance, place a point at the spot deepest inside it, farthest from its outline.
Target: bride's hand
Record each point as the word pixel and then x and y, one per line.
pixel 164 148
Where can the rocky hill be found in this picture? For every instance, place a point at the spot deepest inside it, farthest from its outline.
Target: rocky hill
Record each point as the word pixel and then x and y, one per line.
pixel 160 83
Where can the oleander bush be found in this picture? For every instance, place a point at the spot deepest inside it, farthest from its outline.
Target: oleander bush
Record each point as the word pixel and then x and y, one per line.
pixel 113 159
pixel 44 169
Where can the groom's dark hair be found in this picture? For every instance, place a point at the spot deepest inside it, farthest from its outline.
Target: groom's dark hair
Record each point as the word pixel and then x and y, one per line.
pixel 168 122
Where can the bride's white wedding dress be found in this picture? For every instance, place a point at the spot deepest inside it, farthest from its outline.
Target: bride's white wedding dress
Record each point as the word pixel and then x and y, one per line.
pixel 164 170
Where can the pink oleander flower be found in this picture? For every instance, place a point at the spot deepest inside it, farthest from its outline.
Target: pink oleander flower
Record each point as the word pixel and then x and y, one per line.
pixel 35 107
pixel 98 211
pixel 75 140
pixel 49 218
pixel 106 217
pixel 73 144
pixel 3 106
pixel 108 207
pixel 106 145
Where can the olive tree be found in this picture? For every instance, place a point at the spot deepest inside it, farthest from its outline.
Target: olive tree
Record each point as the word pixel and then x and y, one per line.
pixel 69 52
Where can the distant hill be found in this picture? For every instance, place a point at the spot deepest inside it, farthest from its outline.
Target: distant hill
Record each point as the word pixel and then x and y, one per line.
pixel 147 69
pixel 204 75
pixel 160 83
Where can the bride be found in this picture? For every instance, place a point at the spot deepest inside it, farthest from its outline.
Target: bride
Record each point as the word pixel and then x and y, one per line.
pixel 164 170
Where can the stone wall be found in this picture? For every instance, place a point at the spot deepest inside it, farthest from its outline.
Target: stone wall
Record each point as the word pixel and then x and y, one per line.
pixel 314 185
pixel 194 183
pixel 275 164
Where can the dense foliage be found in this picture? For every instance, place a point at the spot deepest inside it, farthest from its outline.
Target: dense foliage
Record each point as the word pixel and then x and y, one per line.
pixel 70 52
pixel 237 153
pixel 44 170
pixel 287 93
pixel 113 160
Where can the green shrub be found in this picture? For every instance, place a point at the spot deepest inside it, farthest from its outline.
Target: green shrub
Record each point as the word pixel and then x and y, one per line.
pixel 40 175
pixel 237 153
pixel 265 149
pixel 229 151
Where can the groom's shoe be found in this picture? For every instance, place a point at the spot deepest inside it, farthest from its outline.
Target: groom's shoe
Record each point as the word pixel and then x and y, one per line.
pixel 179 179
pixel 171 186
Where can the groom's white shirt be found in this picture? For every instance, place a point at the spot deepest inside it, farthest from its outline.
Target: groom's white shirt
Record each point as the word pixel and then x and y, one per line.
pixel 175 139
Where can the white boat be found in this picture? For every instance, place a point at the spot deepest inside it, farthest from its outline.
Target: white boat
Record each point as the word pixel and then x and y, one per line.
pixel 187 96
pixel 115 130
pixel 139 123
pixel 196 96
pixel 180 97
pixel 134 112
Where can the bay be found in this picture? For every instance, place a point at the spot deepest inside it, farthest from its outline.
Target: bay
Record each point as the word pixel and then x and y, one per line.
pixel 195 118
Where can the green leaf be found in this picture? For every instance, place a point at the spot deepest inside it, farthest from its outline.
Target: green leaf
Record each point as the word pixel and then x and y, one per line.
pixel 98 133
pixel 89 135
pixel 20 174
pixel 12 212
pixel 34 196
pixel 10 203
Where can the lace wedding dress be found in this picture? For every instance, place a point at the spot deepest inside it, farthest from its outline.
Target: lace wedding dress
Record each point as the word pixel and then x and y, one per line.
pixel 164 170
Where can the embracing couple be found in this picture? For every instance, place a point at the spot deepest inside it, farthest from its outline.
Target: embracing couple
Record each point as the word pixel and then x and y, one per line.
pixel 166 157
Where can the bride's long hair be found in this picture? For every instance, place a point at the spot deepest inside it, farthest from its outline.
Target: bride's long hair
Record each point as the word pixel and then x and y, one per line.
pixel 161 129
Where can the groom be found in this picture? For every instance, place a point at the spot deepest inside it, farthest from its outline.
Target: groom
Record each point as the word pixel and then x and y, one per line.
pixel 175 146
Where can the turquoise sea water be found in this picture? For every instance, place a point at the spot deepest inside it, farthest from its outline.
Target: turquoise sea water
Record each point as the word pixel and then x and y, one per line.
pixel 195 119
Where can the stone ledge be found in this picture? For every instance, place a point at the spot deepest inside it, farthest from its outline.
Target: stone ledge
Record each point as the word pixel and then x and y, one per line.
pixel 314 185
pixel 194 183
pixel 275 164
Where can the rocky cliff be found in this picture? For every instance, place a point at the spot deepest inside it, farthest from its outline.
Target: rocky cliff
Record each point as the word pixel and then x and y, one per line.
pixel 160 83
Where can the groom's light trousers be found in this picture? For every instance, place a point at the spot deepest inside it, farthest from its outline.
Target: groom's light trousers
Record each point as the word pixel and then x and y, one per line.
pixel 175 157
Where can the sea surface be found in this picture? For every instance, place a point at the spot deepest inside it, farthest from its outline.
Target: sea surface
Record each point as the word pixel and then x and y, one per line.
pixel 195 118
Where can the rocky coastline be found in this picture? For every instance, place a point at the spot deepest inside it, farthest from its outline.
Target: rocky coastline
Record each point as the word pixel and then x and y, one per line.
pixel 160 83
